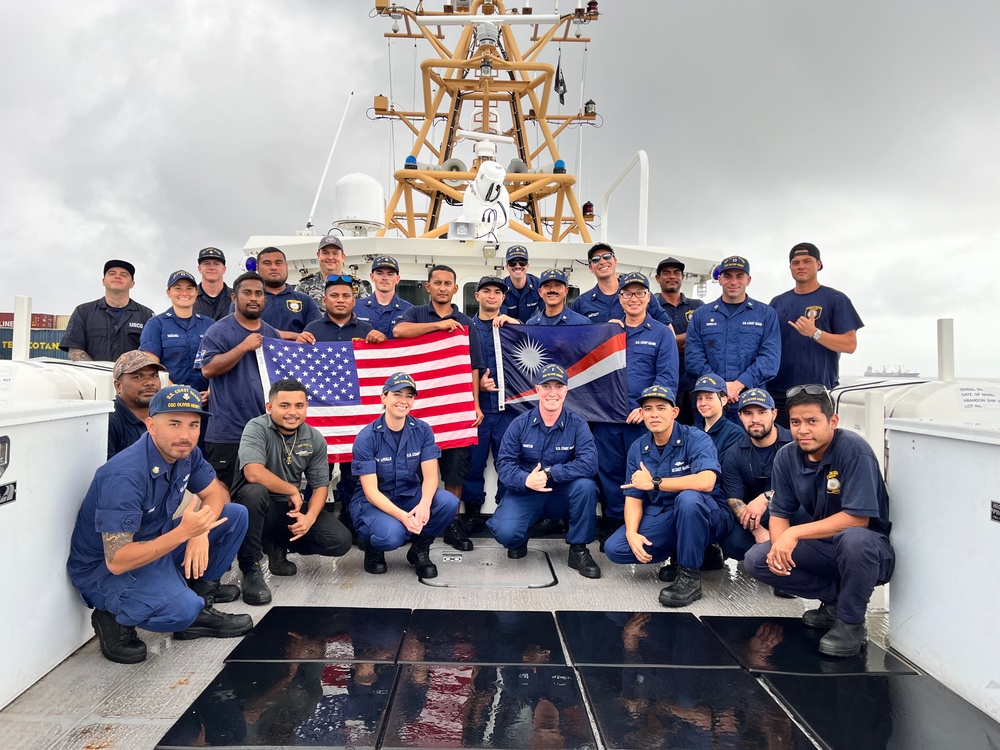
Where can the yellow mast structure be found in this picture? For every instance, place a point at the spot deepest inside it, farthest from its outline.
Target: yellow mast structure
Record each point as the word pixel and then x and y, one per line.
pixel 486 79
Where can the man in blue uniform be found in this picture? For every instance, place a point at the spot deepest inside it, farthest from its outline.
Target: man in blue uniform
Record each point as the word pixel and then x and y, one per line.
pixel 137 565
pixel 215 297
pixel 736 337
pixel 397 499
pixel 228 361
pixel 817 325
pixel 844 551
pixel 288 311
pixel 601 304
pixel 383 308
pixel 746 471
pixel 547 461
pixel 672 499
pixel 137 380
pixel 651 355
pixel 522 300
pixel 670 277
pixel 489 294
pixel 173 337
pixel 441 314
pixel 108 327
pixel 553 288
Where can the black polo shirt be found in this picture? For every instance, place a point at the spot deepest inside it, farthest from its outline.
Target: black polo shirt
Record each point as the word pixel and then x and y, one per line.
pixel 103 336
pixel 325 329
pixel 215 308
pixel 746 470
pixel 124 428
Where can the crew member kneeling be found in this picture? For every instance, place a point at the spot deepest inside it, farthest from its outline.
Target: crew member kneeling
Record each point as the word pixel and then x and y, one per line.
pixel 671 499
pixel 844 552
pixel 396 462
pixel 129 556
pixel 547 462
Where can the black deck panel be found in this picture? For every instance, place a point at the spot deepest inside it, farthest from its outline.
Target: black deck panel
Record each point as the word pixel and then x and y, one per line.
pixel 872 712
pixel 440 636
pixel 651 638
pixel 639 707
pixel 494 707
pixel 786 645
pixel 324 634
pixel 281 704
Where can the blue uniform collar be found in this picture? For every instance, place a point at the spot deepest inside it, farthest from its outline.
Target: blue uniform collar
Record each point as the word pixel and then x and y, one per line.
pixel 158 465
pixel 536 418
pixel 720 306
pixel 381 427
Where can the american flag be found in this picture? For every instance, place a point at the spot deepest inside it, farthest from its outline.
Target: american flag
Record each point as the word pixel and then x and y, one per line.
pixel 345 378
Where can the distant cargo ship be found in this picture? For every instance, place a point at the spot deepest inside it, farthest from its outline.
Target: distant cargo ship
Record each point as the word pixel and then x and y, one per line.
pixel 885 372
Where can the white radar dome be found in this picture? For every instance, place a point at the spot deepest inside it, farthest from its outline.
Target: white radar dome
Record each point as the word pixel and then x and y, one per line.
pixel 359 204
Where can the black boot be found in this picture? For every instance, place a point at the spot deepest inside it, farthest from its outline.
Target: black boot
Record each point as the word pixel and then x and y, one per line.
pixel 255 590
pixel 685 590
pixel 374 560
pixel 516 553
pixel 581 561
pixel 668 572
pixel 843 639
pixel 455 536
pixel 119 643
pixel 472 519
pixel 211 623
pixel 214 592
pixel 419 556
pixel 713 559
pixel 548 527
pixel 822 618
pixel 279 564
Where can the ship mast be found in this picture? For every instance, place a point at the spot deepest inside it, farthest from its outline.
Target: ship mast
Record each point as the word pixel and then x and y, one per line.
pixel 486 84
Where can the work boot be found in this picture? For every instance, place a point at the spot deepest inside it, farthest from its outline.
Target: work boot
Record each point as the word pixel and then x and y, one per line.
pixel 516 553
pixel 279 564
pixel 374 560
pixel 713 559
pixel 782 594
pixel 822 618
pixel 255 590
pixel 213 592
pixel 685 589
pixel 581 561
pixel 211 623
pixel 606 527
pixel 472 519
pixel 455 536
pixel 548 527
pixel 668 572
pixel 119 643
pixel 419 556
pixel 843 639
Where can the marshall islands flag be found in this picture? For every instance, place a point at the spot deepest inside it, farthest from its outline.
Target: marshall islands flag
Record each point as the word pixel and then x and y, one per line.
pixel 594 358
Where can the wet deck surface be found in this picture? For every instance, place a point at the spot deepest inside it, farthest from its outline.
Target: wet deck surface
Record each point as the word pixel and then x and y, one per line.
pixel 464 675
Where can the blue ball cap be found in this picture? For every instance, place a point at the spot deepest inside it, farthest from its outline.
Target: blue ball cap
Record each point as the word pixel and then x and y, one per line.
pixel 176 398
pixel 711 383
pixel 496 281
pixel 735 263
pixel 553 274
pixel 657 391
pixel 517 251
pixel 634 277
pixel 211 253
pixel 180 276
pixel 385 261
pixel 397 382
pixel 551 373
pixel 756 397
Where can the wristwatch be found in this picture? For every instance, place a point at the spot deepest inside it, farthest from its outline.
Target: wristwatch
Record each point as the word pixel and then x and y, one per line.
pixel 656 482
pixel 768 495
pixel 816 335
pixel 547 471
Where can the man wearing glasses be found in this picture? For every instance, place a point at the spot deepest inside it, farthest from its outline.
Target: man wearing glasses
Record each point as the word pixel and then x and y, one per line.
pixel 601 304
pixel 521 300
pixel 843 552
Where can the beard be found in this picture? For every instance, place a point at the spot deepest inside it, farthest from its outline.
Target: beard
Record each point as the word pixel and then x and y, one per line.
pixel 250 314
pixel 759 433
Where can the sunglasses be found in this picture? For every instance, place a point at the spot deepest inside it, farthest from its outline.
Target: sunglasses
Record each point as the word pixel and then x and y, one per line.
pixel 342 277
pixel 813 389
pixel 598 258
pixel 519 263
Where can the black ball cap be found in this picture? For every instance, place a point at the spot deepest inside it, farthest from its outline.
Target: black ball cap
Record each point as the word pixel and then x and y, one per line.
pixel 120 264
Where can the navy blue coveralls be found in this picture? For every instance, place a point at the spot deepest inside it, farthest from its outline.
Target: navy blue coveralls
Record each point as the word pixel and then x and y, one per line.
pixel 599 307
pixel 680 315
pixel 176 343
pixel 400 478
pixel 686 521
pixel 138 492
pixel 569 449
pixel 522 303
pixel 381 317
pixel 568 317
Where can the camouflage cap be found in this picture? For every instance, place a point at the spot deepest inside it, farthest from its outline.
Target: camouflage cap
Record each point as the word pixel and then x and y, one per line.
pixel 134 361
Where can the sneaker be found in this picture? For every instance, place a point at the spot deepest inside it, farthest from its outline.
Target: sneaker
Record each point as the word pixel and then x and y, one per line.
pixel 822 618
pixel 119 643
pixel 516 553
pixel 279 564
pixel 374 561
pixel 419 556
pixel 713 559
pixel 685 589
pixel 581 561
pixel 213 592
pixel 255 590
pixel 211 623
pixel 843 639
pixel 455 536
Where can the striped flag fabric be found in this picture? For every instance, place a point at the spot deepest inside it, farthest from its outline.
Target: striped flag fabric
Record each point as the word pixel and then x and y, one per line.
pixel 594 358
pixel 344 381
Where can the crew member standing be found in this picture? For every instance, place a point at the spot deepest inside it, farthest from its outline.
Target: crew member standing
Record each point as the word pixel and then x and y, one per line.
pixel 521 300
pixel 215 296
pixel 670 277
pixel 173 337
pixel 601 303
pixel 287 310
pixel 330 257
pixel 553 288
pixel 383 308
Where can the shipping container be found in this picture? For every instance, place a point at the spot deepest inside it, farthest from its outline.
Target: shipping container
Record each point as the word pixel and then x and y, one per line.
pixel 44 343
pixel 38 320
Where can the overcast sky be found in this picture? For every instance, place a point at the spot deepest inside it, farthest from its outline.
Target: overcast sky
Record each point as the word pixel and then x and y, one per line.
pixel 146 131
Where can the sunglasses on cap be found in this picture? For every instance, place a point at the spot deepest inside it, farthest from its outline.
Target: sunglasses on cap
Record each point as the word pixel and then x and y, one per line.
pixel 340 277
pixel 518 262
pixel 813 389
pixel 598 258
